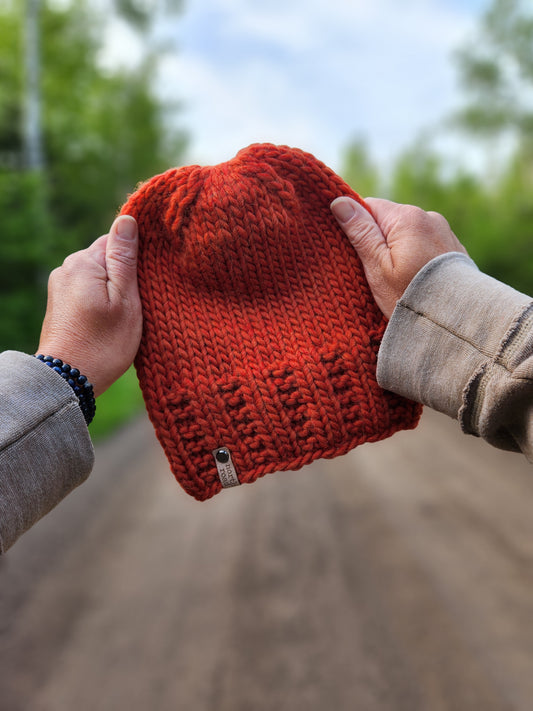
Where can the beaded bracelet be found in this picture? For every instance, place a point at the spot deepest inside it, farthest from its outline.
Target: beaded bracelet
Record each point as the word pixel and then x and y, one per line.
pixel 78 382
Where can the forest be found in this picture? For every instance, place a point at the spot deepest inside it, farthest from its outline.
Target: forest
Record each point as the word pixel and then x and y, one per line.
pixel 68 160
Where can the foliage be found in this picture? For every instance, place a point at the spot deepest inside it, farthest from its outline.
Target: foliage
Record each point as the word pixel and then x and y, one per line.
pixel 103 132
pixel 359 171
pixel 117 405
pixel 11 74
pixel 24 262
pixel 496 70
pixel 142 13
pixel 493 219
pixel 493 214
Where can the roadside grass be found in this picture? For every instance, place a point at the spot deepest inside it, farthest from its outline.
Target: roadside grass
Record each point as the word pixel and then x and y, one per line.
pixel 120 403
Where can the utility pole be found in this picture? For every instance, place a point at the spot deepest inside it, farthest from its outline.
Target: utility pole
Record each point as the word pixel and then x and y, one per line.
pixel 32 128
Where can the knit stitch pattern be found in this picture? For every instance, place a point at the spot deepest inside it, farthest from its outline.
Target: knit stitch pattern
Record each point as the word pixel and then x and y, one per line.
pixel 260 331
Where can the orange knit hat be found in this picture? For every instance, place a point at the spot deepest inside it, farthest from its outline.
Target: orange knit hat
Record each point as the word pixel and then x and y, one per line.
pixel 260 332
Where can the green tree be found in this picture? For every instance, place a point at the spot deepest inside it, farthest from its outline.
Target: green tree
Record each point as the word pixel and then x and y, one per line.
pixel 492 217
pixel 496 71
pixel 474 208
pixel 492 214
pixel 102 132
pixel 359 170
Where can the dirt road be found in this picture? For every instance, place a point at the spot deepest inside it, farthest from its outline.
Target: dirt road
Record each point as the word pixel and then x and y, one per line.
pixel 397 578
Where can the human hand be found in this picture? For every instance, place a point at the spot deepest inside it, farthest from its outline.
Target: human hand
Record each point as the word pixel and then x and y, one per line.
pixel 93 317
pixel 393 243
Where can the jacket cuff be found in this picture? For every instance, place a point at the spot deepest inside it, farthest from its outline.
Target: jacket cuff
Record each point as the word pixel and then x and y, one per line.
pixel 45 447
pixel 446 332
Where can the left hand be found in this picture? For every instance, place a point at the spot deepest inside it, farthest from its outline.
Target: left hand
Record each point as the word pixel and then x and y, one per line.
pixel 93 318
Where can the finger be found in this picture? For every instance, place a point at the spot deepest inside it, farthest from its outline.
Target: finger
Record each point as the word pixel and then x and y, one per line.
pixel 385 214
pixel 121 253
pixel 361 229
pixel 380 205
pixel 98 249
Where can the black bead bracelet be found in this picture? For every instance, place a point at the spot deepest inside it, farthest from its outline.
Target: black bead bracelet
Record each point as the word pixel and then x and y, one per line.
pixel 78 382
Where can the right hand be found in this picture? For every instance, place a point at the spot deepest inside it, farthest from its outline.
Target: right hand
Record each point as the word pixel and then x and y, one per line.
pixel 393 243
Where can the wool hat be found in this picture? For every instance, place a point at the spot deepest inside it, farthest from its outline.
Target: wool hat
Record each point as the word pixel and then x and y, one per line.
pixel 260 331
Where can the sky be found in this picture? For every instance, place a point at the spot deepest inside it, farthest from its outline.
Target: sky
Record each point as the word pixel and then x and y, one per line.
pixel 315 74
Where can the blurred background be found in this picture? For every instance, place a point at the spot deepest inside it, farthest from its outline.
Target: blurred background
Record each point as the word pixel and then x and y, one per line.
pixel 421 101
pixel 424 101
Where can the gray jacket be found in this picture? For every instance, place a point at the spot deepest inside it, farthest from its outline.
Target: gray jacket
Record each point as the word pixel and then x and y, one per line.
pixel 45 448
pixel 457 341
pixel 462 343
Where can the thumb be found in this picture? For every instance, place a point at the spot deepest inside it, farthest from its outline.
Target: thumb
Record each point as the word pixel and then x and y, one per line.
pixel 121 253
pixel 361 229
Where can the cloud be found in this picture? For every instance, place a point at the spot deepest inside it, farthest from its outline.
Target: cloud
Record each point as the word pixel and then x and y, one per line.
pixel 312 73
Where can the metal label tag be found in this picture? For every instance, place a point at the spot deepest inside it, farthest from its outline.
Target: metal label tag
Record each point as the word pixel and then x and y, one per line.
pixel 225 467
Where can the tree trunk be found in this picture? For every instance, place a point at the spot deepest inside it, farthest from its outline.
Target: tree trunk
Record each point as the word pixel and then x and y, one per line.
pixel 32 132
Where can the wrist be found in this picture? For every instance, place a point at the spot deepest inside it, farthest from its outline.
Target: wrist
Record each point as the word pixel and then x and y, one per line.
pixel 79 383
pixel 74 351
pixel 447 331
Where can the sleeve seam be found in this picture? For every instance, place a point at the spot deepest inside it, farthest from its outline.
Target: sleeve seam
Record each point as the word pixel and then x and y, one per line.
pixel 68 406
pixel 507 346
pixel 452 332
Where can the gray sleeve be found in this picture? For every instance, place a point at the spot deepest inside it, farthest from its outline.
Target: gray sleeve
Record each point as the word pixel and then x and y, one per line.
pixel 45 447
pixel 462 343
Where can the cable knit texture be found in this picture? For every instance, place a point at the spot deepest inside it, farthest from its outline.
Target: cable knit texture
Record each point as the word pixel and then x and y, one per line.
pixel 260 332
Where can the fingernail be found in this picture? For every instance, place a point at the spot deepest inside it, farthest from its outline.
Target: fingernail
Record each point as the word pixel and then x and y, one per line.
pixel 343 209
pixel 126 227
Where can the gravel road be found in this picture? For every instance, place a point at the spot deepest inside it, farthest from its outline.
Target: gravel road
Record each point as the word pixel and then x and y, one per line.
pixel 396 578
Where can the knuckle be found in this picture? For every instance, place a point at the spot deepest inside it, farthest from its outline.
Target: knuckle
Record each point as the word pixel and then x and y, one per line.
pixel 71 263
pixel 421 222
pixel 56 278
pixel 63 273
pixel 439 220
pixel 55 274
pixel 414 215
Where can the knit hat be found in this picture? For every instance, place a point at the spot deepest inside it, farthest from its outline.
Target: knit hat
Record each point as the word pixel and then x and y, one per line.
pixel 260 332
